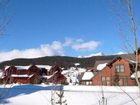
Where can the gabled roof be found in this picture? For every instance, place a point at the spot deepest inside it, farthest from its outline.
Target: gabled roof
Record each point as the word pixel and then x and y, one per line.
pixel 102 64
pixel 98 62
pixel 119 57
pixel 55 68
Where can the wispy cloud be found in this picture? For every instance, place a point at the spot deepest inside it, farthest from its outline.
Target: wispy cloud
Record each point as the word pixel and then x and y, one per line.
pixel 80 44
pixel 68 42
pixel 90 45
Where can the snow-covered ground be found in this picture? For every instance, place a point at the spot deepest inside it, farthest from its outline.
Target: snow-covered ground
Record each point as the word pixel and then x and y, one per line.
pixel 75 95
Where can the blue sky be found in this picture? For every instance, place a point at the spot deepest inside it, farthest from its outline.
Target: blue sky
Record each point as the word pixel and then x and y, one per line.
pixel 62 27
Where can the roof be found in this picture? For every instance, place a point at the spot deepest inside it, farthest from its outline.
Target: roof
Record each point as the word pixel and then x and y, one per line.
pixel 88 76
pixel 49 76
pixel 48 67
pixel 100 62
pixel 22 67
pixel 25 75
pixel 27 67
pixel 134 74
pixel 19 67
pixel 101 66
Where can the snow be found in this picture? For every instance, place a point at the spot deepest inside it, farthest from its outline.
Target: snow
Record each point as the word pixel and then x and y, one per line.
pixel 48 77
pixel 19 67
pixel 91 55
pixel 120 53
pixel 134 74
pixel 24 75
pixel 88 76
pixel 131 61
pixel 101 66
pixel 22 67
pixel 27 67
pixel 6 67
pixel 75 95
pixel 77 64
pixel 48 67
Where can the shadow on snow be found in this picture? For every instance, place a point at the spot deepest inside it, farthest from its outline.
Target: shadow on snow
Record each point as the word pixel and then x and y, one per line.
pixel 6 93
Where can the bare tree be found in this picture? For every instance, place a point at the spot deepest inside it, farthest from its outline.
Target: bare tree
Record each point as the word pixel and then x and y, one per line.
pixel 133 27
pixel 129 21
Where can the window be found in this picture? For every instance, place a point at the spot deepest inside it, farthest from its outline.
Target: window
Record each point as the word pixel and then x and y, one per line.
pixel 88 82
pixel 123 81
pixel 119 68
pixel 21 72
pixel 103 79
pixel 106 81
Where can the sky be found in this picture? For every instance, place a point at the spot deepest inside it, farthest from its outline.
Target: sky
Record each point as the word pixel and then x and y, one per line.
pixel 75 28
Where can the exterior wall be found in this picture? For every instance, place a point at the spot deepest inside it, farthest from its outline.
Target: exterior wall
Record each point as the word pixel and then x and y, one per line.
pixel 21 80
pixel 34 70
pixel 54 69
pixel 110 75
pixel 57 78
pixel 10 70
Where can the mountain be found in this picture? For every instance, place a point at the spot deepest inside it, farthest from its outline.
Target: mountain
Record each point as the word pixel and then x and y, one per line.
pixel 91 55
pixel 63 61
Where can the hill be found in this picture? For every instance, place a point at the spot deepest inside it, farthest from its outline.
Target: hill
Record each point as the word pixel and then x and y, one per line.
pixel 63 61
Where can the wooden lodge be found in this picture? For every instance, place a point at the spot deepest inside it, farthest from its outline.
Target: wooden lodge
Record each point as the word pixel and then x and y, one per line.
pixel 33 74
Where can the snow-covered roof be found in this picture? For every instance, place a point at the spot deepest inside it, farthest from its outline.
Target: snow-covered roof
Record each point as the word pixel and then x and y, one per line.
pixel 6 67
pixel 101 66
pixel 134 74
pixel 48 67
pixel 132 61
pixel 88 76
pixel 24 75
pixel 22 67
pixel 19 67
pixel 27 67
pixel 49 76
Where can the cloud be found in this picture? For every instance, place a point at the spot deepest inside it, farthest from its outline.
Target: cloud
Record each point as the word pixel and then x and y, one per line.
pixel 80 40
pixel 80 44
pixel 68 42
pixel 55 48
pixel 91 45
